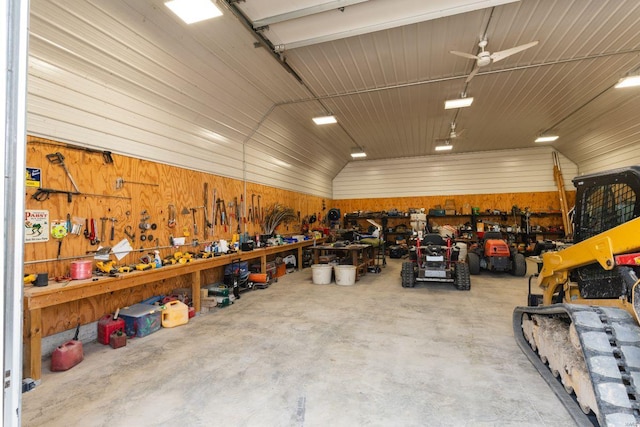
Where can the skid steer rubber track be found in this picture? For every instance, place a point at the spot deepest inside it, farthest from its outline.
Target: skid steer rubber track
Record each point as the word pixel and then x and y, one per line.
pixel 609 343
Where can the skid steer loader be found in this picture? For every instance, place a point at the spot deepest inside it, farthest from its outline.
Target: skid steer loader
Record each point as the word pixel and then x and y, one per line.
pixel 581 331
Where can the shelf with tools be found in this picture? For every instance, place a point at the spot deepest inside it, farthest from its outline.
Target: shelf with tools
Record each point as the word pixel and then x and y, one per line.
pixel 518 227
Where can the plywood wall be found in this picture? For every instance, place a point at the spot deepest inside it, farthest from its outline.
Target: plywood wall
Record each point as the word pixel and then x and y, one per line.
pixel 535 201
pixel 176 186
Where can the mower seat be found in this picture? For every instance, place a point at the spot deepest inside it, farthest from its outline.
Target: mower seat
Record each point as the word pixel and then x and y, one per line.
pixel 433 239
pixel 488 235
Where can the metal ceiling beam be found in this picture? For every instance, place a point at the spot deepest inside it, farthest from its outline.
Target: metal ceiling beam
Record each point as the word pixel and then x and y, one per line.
pixel 262 41
pixel 377 20
pixel 300 13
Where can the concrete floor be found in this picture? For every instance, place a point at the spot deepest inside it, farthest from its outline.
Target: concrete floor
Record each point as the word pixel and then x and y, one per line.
pixel 316 355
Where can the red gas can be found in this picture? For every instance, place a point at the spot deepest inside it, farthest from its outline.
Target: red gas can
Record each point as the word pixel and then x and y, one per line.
pixel 67 356
pixel 107 325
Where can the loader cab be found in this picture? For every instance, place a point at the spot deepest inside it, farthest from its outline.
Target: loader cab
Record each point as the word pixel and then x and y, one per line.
pixel 604 201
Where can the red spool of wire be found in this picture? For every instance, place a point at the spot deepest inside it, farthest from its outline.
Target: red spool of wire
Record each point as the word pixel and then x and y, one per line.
pixel 81 270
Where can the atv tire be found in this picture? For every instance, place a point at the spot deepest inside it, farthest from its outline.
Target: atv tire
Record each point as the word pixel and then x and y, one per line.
pixel 408 275
pixel 519 265
pixel 473 260
pixel 462 276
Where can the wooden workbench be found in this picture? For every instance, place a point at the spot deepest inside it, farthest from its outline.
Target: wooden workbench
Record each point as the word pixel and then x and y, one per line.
pixel 38 298
pixel 361 255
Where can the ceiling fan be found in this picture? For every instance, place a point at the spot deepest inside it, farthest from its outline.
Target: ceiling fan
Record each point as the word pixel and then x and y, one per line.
pixel 453 134
pixel 484 57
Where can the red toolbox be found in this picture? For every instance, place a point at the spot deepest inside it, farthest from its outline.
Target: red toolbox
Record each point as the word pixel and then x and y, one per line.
pixel 107 325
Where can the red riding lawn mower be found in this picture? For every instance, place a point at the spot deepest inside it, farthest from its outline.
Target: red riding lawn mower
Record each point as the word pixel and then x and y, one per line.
pixel 435 260
pixel 493 253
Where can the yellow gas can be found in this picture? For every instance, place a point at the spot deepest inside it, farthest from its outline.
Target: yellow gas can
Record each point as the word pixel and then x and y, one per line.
pixel 176 313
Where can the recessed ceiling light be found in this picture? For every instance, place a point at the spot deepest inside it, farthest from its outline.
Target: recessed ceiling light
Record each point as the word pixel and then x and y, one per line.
pixel 629 81
pixel 546 138
pixel 446 147
pixel 450 104
pixel 325 120
pixel 191 11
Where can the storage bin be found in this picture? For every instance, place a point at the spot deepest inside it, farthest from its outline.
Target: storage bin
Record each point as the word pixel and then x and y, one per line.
pixel 175 313
pixel 141 320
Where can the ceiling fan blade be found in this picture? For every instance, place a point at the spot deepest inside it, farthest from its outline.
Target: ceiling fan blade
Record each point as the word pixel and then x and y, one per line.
pixel 499 56
pixel 473 73
pixel 463 54
pixel 456 134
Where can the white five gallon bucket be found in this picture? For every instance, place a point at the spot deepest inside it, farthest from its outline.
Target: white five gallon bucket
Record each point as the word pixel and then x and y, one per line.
pixel 321 274
pixel 345 275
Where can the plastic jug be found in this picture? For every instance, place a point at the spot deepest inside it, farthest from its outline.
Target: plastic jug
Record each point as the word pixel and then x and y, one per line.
pixel 176 313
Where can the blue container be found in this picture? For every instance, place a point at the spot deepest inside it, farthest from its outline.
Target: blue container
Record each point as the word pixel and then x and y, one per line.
pixel 141 320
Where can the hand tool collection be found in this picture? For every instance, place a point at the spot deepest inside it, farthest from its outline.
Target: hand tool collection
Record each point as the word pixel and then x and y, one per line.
pixel 215 214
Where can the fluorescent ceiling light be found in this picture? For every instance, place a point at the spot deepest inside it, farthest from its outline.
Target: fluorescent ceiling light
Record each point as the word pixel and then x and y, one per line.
pixel 191 11
pixel 325 120
pixel 444 147
pixel 357 153
pixel 450 104
pixel 629 81
pixel 546 138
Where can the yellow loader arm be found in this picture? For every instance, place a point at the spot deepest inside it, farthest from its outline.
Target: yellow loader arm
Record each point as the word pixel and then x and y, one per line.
pixel 602 248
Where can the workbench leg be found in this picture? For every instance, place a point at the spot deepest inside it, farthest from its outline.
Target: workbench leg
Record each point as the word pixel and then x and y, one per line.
pixel 263 264
pixel 195 289
pixel 299 260
pixel 32 351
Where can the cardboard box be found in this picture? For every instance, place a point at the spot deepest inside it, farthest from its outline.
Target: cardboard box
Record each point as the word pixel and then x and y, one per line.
pixel 141 320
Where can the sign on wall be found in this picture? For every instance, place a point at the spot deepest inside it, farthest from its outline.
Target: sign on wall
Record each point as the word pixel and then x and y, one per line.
pixel 36 224
pixel 34 178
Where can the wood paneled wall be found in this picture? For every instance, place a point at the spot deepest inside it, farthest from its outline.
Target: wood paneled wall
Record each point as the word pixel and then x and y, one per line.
pixel 181 187
pixel 535 201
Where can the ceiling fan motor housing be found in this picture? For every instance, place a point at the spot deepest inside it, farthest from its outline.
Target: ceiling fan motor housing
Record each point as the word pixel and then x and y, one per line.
pixel 484 58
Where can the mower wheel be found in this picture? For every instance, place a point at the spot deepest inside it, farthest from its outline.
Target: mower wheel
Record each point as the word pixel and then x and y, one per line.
pixel 519 265
pixel 408 275
pixel 474 262
pixel 463 279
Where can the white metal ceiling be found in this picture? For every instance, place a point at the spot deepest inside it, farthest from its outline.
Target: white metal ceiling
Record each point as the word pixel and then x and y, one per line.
pixel 387 87
pixel 211 86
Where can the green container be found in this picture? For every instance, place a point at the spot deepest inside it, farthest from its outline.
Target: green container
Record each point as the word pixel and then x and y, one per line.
pixel 222 301
pixel 218 290
pixel 475 210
